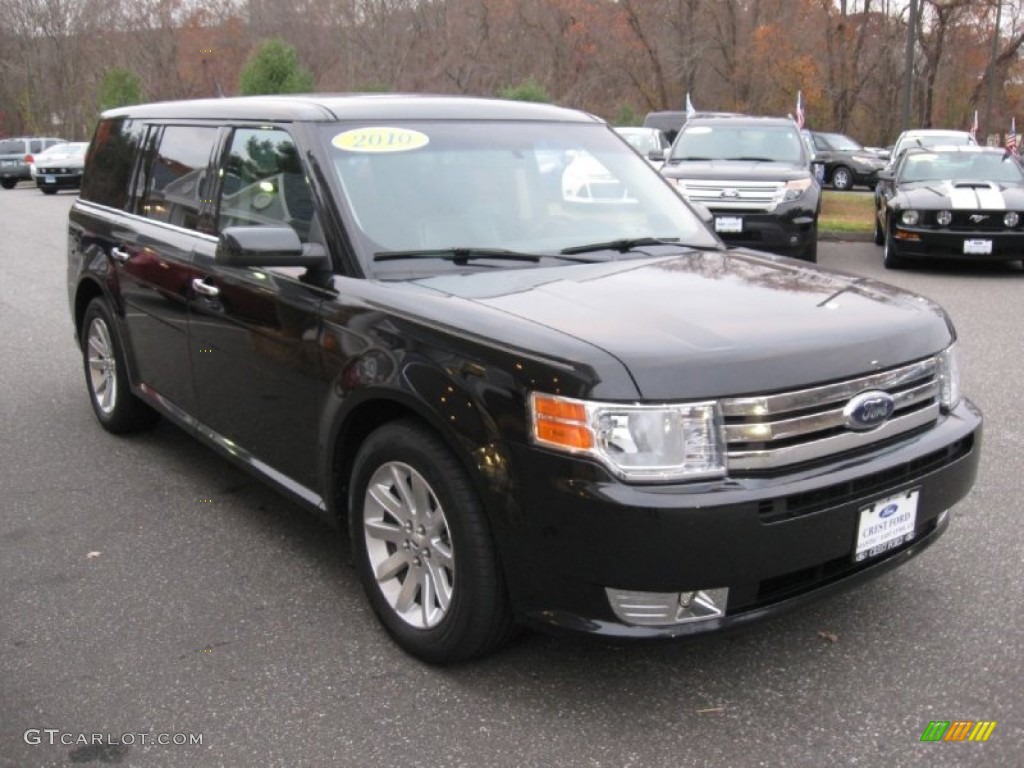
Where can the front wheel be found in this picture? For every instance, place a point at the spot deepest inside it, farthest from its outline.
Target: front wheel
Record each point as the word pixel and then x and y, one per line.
pixel 889 256
pixel 117 409
pixel 842 179
pixel 48 190
pixel 423 549
pixel 879 234
pixel 8 183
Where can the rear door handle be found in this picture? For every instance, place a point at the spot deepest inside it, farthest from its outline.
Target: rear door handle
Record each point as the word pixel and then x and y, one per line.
pixel 205 289
pixel 120 255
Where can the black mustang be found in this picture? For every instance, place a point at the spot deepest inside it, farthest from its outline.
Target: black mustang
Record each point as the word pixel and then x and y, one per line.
pixel 951 203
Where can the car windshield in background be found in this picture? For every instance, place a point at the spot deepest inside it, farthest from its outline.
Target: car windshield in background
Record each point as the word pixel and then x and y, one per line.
pixel 642 140
pixel 960 166
pixel 841 143
pixel 757 143
pixel 520 187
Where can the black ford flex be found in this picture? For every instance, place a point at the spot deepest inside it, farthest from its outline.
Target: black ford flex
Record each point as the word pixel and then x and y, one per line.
pixel 505 352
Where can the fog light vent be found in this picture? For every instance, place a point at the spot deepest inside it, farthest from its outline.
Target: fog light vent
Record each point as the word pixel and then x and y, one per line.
pixel 656 609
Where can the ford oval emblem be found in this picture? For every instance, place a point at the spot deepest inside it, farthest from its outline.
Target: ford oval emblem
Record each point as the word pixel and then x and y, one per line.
pixel 869 410
pixel 889 510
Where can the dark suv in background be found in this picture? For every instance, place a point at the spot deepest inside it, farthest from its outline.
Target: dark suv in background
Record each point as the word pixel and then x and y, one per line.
pixel 847 162
pixel 754 174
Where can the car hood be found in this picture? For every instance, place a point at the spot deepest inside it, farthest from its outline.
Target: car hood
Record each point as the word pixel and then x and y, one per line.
pixel 742 170
pixel 961 195
pixel 709 324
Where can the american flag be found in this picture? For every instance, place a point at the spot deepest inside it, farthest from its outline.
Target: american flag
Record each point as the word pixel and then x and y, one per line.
pixel 799 110
pixel 1011 137
pixel 974 126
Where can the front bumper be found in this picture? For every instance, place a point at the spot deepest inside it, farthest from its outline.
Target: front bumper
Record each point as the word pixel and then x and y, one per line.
pixel 789 233
pixel 58 180
pixel 930 243
pixel 773 541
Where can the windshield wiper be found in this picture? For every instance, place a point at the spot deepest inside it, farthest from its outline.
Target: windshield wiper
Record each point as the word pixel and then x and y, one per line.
pixel 754 159
pixel 622 246
pixel 458 256
pixel 689 159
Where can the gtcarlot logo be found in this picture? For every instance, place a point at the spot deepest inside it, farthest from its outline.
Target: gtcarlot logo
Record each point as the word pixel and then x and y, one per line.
pixel 53 736
pixel 958 730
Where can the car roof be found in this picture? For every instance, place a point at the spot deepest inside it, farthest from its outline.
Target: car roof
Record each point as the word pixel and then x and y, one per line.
pixel 330 107
pixel 956 148
pixel 733 118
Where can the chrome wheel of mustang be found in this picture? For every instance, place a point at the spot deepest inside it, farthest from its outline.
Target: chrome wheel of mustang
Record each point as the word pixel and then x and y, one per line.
pixel 408 544
pixel 102 366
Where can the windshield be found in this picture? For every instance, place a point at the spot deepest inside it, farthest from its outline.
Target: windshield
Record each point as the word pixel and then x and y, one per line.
pixel 642 141
pixel 841 143
pixel 773 143
pixel 960 166
pixel 530 188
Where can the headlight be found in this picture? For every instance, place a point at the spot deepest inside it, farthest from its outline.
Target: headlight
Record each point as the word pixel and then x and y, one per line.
pixel 1011 219
pixel 910 218
pixel 871 161
pixel 639 443
pixel 949 377
pixel 792 190
pixel 944 218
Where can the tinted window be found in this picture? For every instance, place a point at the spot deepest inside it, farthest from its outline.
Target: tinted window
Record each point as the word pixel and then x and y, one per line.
pixel 108 166
pixel 739 142
pixel 263 182
pixel 12 147
pixel 35 146
pixel 176 181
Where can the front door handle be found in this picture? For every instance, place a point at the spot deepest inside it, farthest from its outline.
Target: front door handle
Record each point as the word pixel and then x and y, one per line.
pixel 120 255
pixel 205 289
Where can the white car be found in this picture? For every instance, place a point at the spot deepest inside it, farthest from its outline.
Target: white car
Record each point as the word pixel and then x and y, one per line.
pixel 649 142
pixel 59 167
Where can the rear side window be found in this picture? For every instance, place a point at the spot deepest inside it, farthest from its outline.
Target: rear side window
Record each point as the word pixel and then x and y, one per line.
pixel 109 163
pixel 177 181
pixel 35 146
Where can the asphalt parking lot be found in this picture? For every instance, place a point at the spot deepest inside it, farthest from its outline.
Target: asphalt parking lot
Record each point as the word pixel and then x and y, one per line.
pixel 149 589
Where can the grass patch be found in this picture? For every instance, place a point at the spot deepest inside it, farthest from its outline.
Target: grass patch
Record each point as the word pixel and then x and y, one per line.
pixel 847 212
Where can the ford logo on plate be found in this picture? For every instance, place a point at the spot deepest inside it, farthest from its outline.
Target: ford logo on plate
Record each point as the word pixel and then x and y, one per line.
pixel 869 410
pixel 889 510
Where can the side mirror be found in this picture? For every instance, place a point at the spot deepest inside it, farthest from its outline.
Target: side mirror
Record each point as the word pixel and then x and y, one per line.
pixel 657 155
pixel 267 247
pixel 886 174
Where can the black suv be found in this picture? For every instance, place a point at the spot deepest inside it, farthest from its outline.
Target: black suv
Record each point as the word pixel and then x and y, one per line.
pixel 847 162
pixel 754 175
pixel 495 343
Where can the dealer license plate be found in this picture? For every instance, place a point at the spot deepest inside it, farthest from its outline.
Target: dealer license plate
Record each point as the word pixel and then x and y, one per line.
pixel 885 524
pixel 728 223
pixel 978 246
pixel 51 180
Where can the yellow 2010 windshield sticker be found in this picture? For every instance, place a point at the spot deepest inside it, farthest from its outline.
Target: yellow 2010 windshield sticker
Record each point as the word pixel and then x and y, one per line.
pixel 380 139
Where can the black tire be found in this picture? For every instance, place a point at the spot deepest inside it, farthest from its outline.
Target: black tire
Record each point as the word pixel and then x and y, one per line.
pixel 8 183
pixel 810 253
pixel 405 456
pixel 879 234
pixel 842 178
pixel 48 191
pixel 889 257
pixel 118 410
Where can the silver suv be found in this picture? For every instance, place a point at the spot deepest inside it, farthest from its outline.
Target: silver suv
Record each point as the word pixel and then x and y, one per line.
pixel 16 154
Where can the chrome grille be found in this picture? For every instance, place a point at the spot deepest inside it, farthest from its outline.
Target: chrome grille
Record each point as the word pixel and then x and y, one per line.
pixel 764 433
pixel 734 195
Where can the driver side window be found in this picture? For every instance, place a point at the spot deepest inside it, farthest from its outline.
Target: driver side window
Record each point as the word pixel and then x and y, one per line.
pixel 263 183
